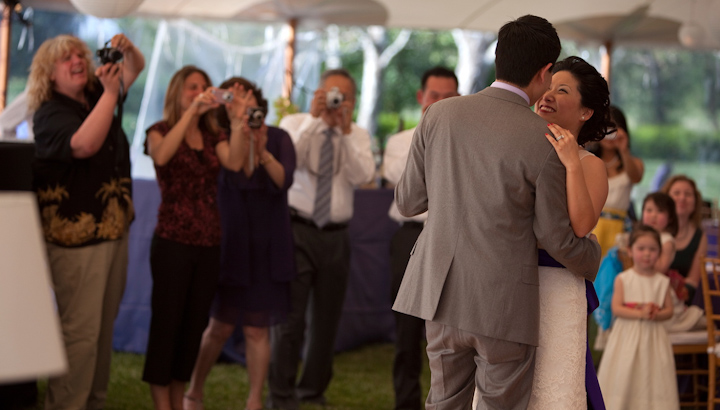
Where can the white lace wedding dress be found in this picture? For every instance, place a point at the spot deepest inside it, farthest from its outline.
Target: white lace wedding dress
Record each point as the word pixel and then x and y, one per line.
pixel 559 381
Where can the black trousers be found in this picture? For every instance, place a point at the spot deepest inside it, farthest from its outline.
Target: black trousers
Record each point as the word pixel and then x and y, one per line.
pixel 184 283
pixel 407 364
pixel 317 293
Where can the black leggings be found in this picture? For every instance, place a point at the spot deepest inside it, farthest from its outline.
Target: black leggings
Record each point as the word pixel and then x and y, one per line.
pixel 184 282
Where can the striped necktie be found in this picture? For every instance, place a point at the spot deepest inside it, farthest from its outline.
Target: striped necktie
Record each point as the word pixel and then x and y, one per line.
pixel 323 192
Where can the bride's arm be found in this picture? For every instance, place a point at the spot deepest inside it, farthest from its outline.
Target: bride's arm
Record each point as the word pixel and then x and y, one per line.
pixel 586 182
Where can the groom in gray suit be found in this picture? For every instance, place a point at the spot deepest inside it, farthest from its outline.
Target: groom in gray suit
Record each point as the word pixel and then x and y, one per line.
pixel 494 189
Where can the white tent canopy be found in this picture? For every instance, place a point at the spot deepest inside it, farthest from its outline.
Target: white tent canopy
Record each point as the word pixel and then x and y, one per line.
pixel 483 15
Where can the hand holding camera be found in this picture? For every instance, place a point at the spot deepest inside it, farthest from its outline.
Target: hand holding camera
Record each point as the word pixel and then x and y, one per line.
pixel 334 98
pixel 109 76
pixel 340 116
pixel 618 140
pixel 204 101
pixel 259 140
pixel 237 106
pixel 326 101
pixel 109 54
pixel 256 117
pixel 222 96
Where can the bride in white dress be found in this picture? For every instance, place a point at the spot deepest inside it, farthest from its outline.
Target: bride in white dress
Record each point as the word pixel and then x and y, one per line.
pixel 576 104
pixel 578 100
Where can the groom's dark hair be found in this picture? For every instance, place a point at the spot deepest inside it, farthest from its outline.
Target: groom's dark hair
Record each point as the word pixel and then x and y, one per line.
pixel 524 47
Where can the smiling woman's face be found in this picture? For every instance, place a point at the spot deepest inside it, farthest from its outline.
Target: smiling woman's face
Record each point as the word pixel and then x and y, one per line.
pixel 194 85
pixel 562 103
pixel 70 73
pixel 684 196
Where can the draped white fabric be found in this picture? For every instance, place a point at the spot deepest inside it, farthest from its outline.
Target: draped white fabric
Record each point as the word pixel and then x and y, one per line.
pixel 222 50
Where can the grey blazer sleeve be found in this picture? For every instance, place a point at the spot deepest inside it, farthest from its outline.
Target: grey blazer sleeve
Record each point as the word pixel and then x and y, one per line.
pixel 552 223
pixel 411 191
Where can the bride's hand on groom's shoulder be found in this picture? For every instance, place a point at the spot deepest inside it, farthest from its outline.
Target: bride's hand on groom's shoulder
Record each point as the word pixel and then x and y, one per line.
pixel 565 144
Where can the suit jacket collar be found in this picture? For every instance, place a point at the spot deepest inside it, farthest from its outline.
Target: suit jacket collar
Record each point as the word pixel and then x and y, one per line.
pixel 494 92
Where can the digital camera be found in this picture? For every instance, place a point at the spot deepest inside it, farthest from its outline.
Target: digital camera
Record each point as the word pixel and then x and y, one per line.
pixel 222 96
pixel 256 117
pixel 334 98
pixel 109 54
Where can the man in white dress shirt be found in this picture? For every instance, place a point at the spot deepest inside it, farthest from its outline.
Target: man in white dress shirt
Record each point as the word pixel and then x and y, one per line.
pixel 333 157
pixel 438 83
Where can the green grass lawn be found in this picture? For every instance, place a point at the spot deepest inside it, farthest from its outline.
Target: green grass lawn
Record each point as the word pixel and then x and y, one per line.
pixel 362 380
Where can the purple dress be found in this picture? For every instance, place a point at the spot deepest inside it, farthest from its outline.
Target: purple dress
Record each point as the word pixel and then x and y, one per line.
pixel 257 251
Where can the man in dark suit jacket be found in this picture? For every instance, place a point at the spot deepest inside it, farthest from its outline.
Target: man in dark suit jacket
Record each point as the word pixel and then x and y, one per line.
pixel 494 189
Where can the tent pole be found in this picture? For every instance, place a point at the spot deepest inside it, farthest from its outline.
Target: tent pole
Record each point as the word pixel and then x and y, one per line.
pixel 289 59
pixel 606 61
pixel 4 54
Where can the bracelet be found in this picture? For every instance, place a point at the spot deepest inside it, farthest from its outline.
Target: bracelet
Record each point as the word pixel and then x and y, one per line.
pixel 268 158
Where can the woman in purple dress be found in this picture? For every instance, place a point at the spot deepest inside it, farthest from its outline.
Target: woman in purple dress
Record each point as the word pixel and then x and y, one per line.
pixel 257 261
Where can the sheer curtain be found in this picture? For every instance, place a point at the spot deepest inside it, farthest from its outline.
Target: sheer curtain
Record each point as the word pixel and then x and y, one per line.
pixel 222 50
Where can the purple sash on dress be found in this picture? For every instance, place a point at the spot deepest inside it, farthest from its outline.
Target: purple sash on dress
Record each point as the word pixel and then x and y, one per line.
pixel 592 387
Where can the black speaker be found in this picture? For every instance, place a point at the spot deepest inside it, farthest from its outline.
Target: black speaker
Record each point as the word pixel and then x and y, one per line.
pixel 16 175
pixel 16 165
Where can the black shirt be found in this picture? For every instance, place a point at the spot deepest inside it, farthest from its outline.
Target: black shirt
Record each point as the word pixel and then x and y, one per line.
pixel 82 201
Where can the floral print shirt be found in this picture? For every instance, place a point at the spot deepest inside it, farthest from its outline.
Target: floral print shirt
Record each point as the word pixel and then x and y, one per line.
pixel 188 212
pixel 82 201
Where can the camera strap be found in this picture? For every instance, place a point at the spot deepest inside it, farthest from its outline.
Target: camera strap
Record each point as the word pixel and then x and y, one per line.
pixel 120 101
pixel 119 153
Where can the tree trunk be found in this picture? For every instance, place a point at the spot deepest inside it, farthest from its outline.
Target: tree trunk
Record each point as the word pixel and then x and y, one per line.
pixel 471 69
pixel 376 56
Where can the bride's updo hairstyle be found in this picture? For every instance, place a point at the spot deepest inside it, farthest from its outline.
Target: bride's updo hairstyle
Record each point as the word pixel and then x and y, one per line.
pixel 594 94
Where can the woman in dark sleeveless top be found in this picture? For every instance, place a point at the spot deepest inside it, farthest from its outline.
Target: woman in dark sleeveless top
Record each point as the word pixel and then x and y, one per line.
pixel 684 258
pixel 690 242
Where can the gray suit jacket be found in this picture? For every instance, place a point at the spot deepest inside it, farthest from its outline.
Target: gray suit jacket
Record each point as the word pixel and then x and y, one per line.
pixel 495 189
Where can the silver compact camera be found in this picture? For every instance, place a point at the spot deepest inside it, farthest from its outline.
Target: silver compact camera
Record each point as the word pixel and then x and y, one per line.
pixel 334 98
pixel 222 96
pixel 256 117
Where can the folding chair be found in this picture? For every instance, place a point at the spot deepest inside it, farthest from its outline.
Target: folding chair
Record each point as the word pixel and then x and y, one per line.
pixel 711 293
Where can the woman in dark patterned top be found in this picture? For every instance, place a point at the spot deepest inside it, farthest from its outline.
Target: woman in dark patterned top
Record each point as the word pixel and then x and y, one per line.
pixel 257 262
pixel 82 178
pixel 187 148
pixel 690 241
